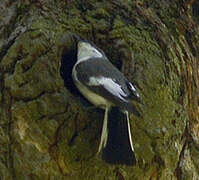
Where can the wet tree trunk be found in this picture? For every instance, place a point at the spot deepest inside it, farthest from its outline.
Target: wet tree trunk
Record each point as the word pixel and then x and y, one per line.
pixel 46 132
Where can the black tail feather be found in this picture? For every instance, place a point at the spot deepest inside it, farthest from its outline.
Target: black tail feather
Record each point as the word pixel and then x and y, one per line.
pixel 118 149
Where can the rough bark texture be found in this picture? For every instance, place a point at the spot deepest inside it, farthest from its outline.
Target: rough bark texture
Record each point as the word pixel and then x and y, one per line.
pixel 46 132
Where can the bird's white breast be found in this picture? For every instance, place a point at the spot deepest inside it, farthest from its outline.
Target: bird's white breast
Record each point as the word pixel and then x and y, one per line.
pixel 94 98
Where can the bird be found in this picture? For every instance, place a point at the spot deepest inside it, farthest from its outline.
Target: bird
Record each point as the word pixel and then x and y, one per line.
pixel 102 84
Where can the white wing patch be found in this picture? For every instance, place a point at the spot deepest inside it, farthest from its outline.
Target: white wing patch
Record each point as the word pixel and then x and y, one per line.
pixel 132 87
pixel 134 90
pixel 109 85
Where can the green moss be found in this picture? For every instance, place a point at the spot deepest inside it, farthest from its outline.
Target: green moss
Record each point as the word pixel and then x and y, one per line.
pixel 194 151
pixel 102 13
pixel 46 116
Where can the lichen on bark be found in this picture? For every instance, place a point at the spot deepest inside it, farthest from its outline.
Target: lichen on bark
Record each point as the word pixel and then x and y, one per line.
pixel 46 132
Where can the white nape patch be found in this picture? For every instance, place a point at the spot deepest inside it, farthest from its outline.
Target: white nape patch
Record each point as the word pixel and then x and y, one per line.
pixel 109 85
pixel 86 51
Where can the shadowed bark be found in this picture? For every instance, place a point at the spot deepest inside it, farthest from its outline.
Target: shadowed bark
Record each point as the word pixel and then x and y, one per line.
pixel 47 130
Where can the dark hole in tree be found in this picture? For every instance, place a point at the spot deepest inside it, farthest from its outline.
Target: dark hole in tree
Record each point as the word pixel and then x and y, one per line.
pixel 195 8
pixel 68 60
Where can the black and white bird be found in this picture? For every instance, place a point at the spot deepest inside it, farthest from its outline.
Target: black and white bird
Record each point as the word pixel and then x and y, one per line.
pixel 107 88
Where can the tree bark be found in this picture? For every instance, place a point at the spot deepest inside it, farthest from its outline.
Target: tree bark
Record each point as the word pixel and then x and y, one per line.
pixel 46 131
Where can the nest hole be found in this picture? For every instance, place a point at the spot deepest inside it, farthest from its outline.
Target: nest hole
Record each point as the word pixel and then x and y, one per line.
pixel 68 60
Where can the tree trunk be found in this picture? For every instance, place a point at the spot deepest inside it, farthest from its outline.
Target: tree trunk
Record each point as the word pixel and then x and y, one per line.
pixel 46 132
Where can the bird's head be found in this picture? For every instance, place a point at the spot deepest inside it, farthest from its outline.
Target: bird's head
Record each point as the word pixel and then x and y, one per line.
pixel 87 50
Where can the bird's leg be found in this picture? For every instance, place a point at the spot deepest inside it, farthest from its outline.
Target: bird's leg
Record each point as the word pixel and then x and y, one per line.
pixel 129 130
pixel 104 134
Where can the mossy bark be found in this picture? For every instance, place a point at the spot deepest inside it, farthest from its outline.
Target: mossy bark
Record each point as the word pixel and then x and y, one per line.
pixel 45 130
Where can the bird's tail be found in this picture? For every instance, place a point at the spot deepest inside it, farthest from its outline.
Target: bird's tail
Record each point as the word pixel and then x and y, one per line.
pixel 116 143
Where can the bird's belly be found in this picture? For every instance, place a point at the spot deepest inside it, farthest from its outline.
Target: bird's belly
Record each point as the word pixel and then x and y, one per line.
pixel 94 98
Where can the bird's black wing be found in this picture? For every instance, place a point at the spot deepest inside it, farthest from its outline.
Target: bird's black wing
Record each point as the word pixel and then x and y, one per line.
pixel 101 77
